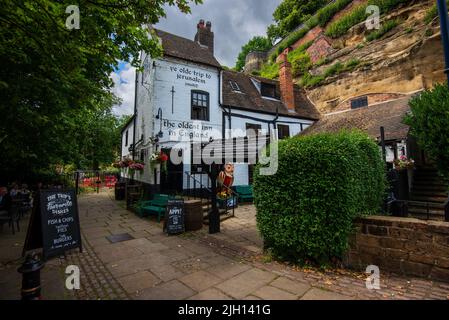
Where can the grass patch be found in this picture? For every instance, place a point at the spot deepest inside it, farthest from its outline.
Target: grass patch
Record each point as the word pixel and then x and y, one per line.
pixel 309 80
pixel 386 27
pixel 432 13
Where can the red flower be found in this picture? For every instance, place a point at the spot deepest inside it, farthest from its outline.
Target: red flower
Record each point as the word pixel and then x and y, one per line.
pixel 163 157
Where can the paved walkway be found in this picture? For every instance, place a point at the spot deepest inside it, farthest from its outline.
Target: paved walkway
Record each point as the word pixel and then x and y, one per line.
pixel 195 265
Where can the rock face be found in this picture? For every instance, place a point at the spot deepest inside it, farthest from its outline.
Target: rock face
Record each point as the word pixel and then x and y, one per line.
pixel 409 58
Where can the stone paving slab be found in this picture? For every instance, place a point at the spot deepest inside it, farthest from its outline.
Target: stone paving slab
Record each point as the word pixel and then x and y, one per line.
pixel 194 265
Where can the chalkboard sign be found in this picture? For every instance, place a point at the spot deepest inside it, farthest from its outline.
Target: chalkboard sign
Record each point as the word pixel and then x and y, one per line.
pixel 174 216
pixel 54 224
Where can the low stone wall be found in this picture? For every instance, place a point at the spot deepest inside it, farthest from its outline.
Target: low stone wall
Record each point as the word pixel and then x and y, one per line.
pixel 405 246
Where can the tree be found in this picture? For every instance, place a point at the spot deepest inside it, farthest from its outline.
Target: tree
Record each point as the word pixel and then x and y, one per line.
pixel 51 73
pixel 257 43
pixel 290 14
pixel 429 123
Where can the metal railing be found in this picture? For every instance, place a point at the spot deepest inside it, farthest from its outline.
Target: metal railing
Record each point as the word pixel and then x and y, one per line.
pixel 204 191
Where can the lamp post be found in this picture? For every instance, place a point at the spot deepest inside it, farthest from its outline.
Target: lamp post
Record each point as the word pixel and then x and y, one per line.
pixel 444 23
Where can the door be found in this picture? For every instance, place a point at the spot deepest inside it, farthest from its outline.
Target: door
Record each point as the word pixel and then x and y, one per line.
pixel 171 180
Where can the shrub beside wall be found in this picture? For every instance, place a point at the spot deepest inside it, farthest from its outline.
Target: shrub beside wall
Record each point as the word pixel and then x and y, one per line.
pixel 305 211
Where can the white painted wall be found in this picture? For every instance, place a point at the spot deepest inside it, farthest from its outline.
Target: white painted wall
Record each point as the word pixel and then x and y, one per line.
pixel 125 146
pixel 154 88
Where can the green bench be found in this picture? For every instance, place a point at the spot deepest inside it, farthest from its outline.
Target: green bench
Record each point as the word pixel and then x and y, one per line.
pixel 155 206
pixel 245 193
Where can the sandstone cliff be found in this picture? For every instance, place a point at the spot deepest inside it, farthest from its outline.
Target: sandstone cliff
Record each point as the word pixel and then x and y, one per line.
pixel 408 58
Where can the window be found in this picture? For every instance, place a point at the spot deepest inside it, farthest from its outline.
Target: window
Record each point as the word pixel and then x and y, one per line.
pixel 200 105
pixel 126 138
pixel 234 86
pixel 268 90
pixel 359 102
pixel 255 127
pixel 283 131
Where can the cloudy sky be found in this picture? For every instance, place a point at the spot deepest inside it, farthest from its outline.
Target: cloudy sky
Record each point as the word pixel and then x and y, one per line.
pixel 234 22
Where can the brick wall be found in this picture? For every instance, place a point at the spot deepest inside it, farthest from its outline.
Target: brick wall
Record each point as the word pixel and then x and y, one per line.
pixel 401 245
pixel 349 7
pixel 319 49
pixel 310 36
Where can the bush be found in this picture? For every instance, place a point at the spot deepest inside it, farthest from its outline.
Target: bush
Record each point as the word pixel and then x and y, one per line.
pixel 269 70
pixel 305 211
pixel 301 64
pixel 386 27
pixel 432 13
pixel 429 123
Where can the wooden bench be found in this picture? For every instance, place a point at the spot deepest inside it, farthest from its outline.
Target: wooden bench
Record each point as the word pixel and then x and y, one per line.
pixel 245 193
pixel 155 206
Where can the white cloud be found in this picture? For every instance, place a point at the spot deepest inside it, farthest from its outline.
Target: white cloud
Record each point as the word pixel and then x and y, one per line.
pixel 124 85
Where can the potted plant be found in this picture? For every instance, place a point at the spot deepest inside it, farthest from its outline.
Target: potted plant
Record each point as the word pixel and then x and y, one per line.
pixel 226 199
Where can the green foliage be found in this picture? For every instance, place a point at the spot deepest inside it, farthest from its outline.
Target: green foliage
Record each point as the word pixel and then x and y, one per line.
pixel 52 76
pixel 255 44
pixel 270 70
pixel 429 123
pixel 386 27
pixel 306 210
pixel 432 13
pixel 326 14
pixel 322 16
pixel 301 64
pixel 290 14
pixel 358 14
pixel 342 25
pixel 428 32
pixel 309 80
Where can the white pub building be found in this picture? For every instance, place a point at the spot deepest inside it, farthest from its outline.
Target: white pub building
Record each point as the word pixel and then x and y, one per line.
pixel 185 98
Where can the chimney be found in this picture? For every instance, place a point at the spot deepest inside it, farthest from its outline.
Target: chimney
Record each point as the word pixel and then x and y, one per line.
pixel 204 35
pixel 286 80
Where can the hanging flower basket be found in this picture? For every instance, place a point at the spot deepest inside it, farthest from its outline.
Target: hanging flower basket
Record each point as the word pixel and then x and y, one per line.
pixel 404 163
pixel 159 158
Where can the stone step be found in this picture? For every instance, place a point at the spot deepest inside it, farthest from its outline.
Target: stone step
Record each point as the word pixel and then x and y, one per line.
pixel 428 193
pixel 429 199
pixel 435 217
pixel 430 188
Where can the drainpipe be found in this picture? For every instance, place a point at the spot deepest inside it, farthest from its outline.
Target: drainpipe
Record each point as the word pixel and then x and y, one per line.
pixel 135 115
pixel 444 24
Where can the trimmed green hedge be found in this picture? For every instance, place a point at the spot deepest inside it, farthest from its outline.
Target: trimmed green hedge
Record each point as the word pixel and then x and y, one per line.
pixel 305 211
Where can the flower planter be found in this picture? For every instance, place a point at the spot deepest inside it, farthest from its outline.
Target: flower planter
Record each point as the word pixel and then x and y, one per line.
pixel 229 203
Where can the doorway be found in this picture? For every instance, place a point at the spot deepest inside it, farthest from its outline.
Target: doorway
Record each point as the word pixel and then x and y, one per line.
pixel 172 179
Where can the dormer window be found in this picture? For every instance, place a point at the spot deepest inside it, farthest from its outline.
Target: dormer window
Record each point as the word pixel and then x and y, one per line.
pixel 268 90
pixel 359 102
pixel 234 86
